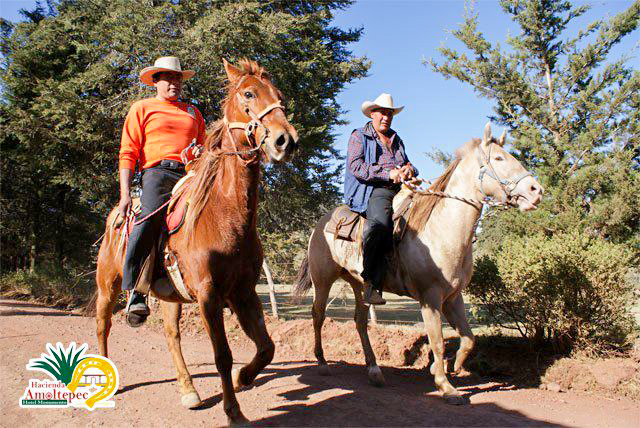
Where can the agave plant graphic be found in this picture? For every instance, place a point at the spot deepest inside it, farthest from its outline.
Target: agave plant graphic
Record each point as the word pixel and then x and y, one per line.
pixel 59 363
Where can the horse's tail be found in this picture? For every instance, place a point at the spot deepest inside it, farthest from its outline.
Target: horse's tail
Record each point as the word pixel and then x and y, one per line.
pixel 89 309
pixel 303 280
pixel 106 241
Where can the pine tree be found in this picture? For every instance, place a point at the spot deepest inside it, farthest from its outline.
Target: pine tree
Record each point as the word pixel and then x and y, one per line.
pixel 573 115
pixel 69 75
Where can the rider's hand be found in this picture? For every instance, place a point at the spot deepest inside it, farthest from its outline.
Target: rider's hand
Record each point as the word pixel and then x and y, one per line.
pixel 124 205
pixel 395 175
pixel 407 172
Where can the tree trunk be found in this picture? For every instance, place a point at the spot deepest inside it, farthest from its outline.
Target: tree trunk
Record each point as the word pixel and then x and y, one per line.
pixel 32 256
pixel 272 288
pixel 552 106
pixel 61 228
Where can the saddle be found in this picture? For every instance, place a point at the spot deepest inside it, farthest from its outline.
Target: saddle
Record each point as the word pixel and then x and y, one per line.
pixel 160 271
pixel 349 225
pixel 345 224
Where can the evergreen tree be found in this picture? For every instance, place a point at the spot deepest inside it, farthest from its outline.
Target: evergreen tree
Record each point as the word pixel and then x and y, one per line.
pixel 70 73
pixel 573 116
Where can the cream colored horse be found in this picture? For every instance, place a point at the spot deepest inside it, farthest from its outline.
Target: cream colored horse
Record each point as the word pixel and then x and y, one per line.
pixel 434 261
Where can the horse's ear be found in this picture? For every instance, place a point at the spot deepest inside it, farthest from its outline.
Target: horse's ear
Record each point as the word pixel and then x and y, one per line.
pixel 486 138
pixel 233 73
pixel 502 139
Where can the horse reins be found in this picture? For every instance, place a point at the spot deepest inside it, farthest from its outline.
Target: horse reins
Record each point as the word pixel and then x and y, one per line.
pixel 507 185
pixel 249 131
pixel 251 126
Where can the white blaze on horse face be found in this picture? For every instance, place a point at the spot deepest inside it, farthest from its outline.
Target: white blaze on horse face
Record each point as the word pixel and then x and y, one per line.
pixel 282 141
pixel 264 101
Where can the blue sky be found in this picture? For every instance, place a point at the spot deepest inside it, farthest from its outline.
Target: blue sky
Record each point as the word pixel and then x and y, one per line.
pixel 440 113
pixel 398 35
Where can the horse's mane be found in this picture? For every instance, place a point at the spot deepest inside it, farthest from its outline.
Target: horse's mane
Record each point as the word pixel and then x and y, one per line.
pixel 206 167
pixel 424 204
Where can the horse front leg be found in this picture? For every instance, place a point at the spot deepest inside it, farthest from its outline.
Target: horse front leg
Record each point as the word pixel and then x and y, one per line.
pixel 433 323
pixel 251 316
pixel 171 317
pixel 455 312
pixel 211 306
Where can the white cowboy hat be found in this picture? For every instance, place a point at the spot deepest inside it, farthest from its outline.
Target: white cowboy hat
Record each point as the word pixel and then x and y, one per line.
pixel 383 101
pixel 165 63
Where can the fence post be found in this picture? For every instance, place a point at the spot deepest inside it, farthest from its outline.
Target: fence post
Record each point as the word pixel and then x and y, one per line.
pixel 272 288
pixel 372 314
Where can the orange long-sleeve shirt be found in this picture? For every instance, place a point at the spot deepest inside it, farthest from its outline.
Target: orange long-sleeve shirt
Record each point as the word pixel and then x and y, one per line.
pixel 156 130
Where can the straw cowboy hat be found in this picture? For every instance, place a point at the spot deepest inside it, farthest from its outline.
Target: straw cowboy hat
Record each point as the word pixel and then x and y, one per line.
pixel 383 101
pixel 165 63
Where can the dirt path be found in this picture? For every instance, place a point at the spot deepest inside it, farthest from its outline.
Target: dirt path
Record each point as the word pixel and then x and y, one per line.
pixel 288 393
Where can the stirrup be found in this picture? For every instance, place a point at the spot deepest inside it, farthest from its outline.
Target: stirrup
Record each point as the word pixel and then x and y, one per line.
pixel 138 312
pixel 372 296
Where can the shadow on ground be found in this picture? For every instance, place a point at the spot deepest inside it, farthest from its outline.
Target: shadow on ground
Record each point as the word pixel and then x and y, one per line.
pixel 409 399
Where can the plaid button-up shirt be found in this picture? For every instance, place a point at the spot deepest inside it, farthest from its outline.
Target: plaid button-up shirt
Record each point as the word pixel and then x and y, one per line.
pixel 385 162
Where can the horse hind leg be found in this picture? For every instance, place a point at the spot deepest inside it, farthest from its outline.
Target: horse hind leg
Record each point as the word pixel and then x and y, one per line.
pixel 361 316
pixel 249 311
pixel 171 318
pixel 211 306
pixel 108 288
pixel 323 272
pixel 318 311
pixel 455 313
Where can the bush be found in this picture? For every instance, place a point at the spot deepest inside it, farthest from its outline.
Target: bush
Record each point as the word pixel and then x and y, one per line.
pixel 567 288
pixel 54 289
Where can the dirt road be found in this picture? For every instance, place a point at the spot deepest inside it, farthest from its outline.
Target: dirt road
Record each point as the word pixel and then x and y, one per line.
pixel 288 393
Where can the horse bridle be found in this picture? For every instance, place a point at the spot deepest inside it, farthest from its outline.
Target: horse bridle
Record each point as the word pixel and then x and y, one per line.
pixel 251 126
pixel 507 185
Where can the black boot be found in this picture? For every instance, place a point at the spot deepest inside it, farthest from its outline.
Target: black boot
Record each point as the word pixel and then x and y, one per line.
pixel 137 309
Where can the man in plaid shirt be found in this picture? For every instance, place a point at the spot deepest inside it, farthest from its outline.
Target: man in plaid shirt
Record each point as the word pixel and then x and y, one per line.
pixel 376 165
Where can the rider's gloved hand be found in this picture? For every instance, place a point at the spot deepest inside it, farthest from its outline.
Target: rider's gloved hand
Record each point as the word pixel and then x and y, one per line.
pixel 191 153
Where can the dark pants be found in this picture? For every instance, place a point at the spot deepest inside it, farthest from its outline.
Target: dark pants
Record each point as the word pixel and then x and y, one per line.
pixel 157 183
pixel 378 235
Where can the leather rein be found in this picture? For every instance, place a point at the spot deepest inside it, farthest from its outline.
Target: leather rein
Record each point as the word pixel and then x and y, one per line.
pixel 507 185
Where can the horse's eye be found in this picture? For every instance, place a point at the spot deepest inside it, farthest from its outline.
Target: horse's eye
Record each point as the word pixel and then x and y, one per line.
pixel 248 94
pixel 498 158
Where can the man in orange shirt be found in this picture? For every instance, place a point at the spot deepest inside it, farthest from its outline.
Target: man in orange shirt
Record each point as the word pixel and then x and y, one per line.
pixel 155 133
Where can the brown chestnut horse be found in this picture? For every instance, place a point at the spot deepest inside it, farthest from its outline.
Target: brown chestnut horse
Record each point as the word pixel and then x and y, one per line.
pixel 218 248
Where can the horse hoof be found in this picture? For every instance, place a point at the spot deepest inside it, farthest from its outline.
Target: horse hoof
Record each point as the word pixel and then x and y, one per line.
pixel 235 378
pixel 238 421
pixel 136 320
pixel 462 373
pixel 375 376
pixel 455 399
pixel 323 370
pixel 191 400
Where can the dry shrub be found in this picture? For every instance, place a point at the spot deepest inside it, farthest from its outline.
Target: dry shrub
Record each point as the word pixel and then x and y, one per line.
pixel 51 289
pixel 566 289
